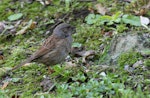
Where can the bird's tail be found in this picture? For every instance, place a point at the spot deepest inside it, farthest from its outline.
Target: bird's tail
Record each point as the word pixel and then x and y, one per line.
pixel 20 65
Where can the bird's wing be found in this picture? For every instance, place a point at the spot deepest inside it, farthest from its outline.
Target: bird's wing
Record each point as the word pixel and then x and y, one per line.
pixel 49 45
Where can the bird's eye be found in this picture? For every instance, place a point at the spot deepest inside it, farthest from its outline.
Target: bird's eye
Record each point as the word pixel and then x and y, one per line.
pixel 64 30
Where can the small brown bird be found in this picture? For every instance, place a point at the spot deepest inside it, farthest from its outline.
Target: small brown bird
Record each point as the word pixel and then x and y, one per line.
pixel 56 47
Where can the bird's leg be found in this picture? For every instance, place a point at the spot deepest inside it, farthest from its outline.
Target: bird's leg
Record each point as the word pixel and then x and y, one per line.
pixel 50 71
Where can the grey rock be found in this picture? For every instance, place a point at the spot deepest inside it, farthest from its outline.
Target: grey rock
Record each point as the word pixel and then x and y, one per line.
pixel 130 41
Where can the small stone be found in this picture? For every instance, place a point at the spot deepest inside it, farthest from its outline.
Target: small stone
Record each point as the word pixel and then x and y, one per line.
pixel 103 74
pixel 137 64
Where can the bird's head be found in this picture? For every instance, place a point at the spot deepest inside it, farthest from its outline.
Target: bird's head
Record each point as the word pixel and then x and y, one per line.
pixel 64 30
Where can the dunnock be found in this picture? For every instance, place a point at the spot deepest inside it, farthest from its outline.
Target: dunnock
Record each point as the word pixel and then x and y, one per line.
pixel 56 47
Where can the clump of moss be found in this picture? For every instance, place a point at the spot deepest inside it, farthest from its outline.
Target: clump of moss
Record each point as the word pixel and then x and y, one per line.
pixel 129 58
pixel 147 63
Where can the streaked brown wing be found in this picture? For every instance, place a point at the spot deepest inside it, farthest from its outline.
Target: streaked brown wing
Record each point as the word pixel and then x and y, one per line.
pixel 49 45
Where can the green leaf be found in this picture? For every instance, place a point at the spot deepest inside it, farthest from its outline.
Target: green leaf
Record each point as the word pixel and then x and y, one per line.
pixel 104 19
pixel 100 20
pixel 132 20
pixel 15 16
pixel 15 79
pixel 89 18
pixel 67 1
pixel 147 81
pixel 76 45
pixel 92 18
pixel 42 96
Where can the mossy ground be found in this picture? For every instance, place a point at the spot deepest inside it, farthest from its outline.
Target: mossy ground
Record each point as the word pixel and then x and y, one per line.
pixel 78 82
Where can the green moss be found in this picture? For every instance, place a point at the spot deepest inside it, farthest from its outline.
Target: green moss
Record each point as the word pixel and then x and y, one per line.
pixel 5 11
pixel 128 58
pixel 30 11
pixel 73 82
pixel 29 81
pixel 147 63
pixel 16 55
pixel 89 35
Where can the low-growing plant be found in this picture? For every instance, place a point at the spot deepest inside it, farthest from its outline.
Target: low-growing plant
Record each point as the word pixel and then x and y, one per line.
pixel 128 58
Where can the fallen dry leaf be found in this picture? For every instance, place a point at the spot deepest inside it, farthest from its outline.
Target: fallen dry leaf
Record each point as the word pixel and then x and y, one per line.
pixel 79 51
pixel 47 84
pixel 109 33
pixel 33 25
pixel 101 9
pixel 70 64
pixel 17 23
pixel 30 25
pixel 75 50
pixel 1 55
pixel 143 10
pixel 45 2
pixel 138 64
pixel 86 54
pixel 27 64
pixel 128 68
pixel 4 85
